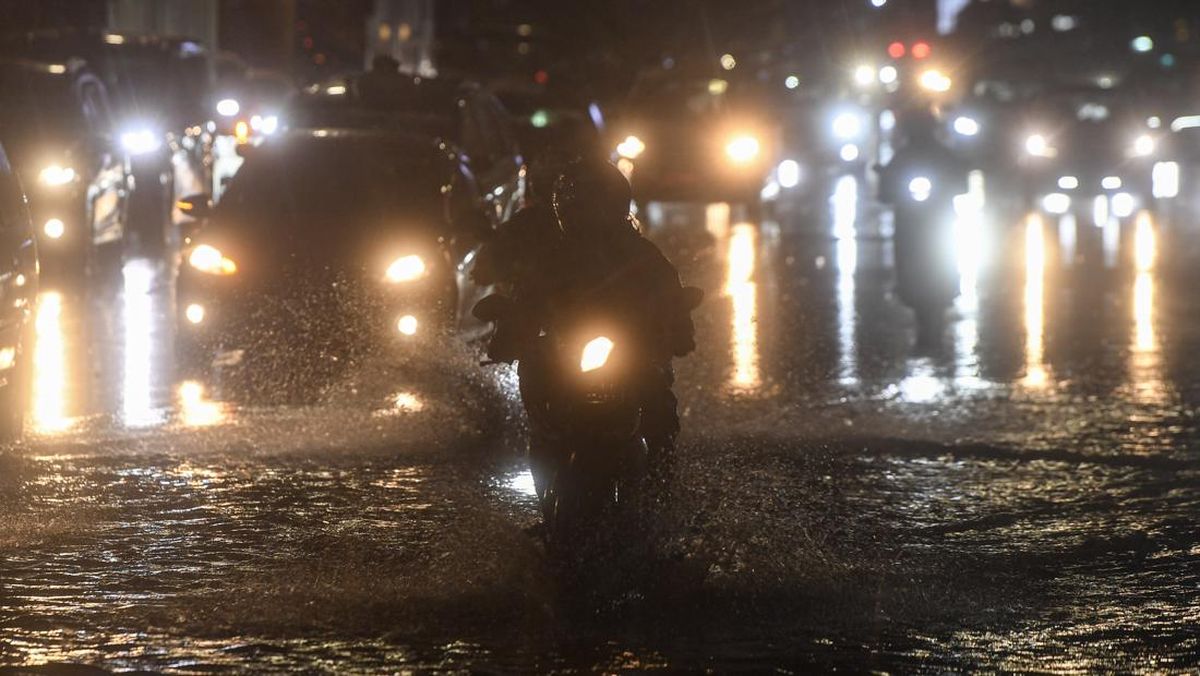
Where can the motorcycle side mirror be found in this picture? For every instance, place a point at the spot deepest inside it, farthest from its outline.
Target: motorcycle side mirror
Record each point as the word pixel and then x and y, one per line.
pixel 692 297
pixel 492 308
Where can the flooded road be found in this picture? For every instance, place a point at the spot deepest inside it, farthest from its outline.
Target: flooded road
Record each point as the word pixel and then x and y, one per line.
pixel 1023 497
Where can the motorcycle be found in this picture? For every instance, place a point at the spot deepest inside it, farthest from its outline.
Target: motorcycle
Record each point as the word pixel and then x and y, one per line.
pixel 926 269
pixel 582 384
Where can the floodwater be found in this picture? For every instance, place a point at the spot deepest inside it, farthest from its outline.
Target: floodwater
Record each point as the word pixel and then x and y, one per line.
pixel 1023 497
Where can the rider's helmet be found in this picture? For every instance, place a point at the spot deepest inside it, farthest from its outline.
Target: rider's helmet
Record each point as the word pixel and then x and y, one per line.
pixel 591 199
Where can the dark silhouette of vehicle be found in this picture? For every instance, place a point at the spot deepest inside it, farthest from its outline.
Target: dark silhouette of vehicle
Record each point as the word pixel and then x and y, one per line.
pixel 18 294
pixel 56 122
pixel 162 96
pixel 327 245
pixel 695 138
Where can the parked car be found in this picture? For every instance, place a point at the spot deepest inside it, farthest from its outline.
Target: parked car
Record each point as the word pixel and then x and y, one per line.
pixel 458 111
pixel 328 245
pixel 18 293
pixel 56 122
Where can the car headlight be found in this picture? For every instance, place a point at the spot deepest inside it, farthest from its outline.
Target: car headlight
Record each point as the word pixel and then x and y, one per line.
pixel 265 124
pixel 209 260
pixel 1037 146
pixel 742 148
pixel 595 354
pixel 966 126
pixel 406 269
pixel 847 126
pixel 141 141
pixel 1144 146
pixel 56 175
pixel 54 228
pixel 631 147
pixel 228 107
pixel 935 80
pixel 920 188
pixel 407 325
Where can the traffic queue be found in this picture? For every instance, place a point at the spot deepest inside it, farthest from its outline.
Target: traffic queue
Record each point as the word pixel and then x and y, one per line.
pixel 361 199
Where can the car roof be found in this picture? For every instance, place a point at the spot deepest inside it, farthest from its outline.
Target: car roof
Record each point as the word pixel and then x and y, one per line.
pixel 441 95
pixel 429 106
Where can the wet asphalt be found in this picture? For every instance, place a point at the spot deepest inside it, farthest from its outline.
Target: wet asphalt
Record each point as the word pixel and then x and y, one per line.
pixel 1022 496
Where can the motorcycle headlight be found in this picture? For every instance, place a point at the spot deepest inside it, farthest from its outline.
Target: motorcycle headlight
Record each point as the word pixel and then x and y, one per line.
pixel 1037 146
pixel 595 354
pixel 920 188
pixel 1144 146
pixel 56 175
pixel 141 141
pixel 631 147
pixel 209 260
pixel 406 269
pixel 742 148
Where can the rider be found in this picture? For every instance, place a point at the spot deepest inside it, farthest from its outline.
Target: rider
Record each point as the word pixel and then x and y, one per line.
pixel 921 152
pixel 921 182
pixel 595 253
pixel 515 259
pixel 606 256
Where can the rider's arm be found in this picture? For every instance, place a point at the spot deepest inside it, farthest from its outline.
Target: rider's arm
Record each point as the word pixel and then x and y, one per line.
pixel 675 329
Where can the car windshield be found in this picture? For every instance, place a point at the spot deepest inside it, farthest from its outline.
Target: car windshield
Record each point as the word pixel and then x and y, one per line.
pixel 380 101
pixel 323 185
pixel 37 104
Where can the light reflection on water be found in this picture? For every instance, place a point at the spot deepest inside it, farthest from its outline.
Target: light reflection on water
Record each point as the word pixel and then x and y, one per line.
pixel 845 213
pixel 968 236
pixel 1145 353
pixel 50 366
pixel 1036 376
pixel 141 337
pixel 196 409
pixel 716 219
pixel 969 242
pixel 743 291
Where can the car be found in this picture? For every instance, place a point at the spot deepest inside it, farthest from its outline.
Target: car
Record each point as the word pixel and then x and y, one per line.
pixel 56 122
pixel 328 244
pixel 1059 147
pixel 685 138
pixel 162 96
pixel 18 295
pixel 458 111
